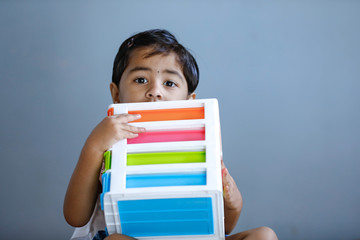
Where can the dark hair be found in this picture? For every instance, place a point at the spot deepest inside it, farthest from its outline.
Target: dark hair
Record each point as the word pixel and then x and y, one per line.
pixel 163 42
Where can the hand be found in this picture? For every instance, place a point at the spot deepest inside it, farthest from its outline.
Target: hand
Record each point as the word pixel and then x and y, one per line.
pixel 232 196
pixel 84 186
pixel 113 129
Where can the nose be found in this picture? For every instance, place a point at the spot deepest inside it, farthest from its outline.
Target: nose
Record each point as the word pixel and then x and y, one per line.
pixel 154 93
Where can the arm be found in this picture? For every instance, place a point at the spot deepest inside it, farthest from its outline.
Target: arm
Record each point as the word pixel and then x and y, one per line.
pixel 232 200
pixel 84 186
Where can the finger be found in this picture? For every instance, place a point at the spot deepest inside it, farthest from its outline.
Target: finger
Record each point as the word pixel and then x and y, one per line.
pixel 125 118
pixel 131 135
pixel 222 164
pixel 133 129
pixel 228 181
pixel 227 193
pixel 223 173
pixel 225 180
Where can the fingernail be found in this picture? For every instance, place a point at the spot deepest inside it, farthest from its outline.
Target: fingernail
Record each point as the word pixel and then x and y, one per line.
pixel 223 171
pixel 135 135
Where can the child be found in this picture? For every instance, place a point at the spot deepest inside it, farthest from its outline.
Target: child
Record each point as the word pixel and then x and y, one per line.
pixel 149 66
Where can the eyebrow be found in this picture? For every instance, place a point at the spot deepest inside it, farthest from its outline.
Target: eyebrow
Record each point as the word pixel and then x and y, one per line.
pixel 174 72
pixel 140 68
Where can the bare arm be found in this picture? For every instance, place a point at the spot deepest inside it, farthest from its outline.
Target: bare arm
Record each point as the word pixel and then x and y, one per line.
pixel 232 200
pixel 84 185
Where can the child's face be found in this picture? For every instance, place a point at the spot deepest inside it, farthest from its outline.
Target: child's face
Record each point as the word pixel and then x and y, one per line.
pixel 155 78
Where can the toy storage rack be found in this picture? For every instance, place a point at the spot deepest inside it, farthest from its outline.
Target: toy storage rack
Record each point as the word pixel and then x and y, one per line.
pixel 166 183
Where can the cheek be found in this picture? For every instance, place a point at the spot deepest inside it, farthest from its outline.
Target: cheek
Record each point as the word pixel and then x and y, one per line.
pixel 124 95
pixel 180 95
pixel 132 95
pixel 125 90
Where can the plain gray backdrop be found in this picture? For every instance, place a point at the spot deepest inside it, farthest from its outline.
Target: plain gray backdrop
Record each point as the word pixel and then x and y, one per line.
pixel 286 74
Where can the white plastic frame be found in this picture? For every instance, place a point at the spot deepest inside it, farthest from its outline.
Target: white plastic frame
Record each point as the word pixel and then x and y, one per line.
pixel 212 146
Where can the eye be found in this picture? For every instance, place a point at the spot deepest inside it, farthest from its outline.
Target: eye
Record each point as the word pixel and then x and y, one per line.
pixel 170 84
pixel 141 80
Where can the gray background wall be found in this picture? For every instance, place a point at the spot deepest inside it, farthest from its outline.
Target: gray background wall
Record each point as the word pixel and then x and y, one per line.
pixel 286 74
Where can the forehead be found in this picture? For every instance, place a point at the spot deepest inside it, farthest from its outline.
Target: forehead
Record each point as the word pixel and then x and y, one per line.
pixel 149 56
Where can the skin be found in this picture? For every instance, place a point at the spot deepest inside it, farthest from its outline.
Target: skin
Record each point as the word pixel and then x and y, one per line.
pixel 156 78
pixel 145 79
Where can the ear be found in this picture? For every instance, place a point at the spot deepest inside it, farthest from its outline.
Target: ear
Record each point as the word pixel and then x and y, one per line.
pixel 114 90
pixel 191 96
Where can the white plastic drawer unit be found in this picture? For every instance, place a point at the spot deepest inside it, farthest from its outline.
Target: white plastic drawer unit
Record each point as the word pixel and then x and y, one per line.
pixel 166 183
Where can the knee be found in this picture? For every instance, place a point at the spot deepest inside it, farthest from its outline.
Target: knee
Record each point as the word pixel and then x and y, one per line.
pixel 266 233
pixel 118 237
